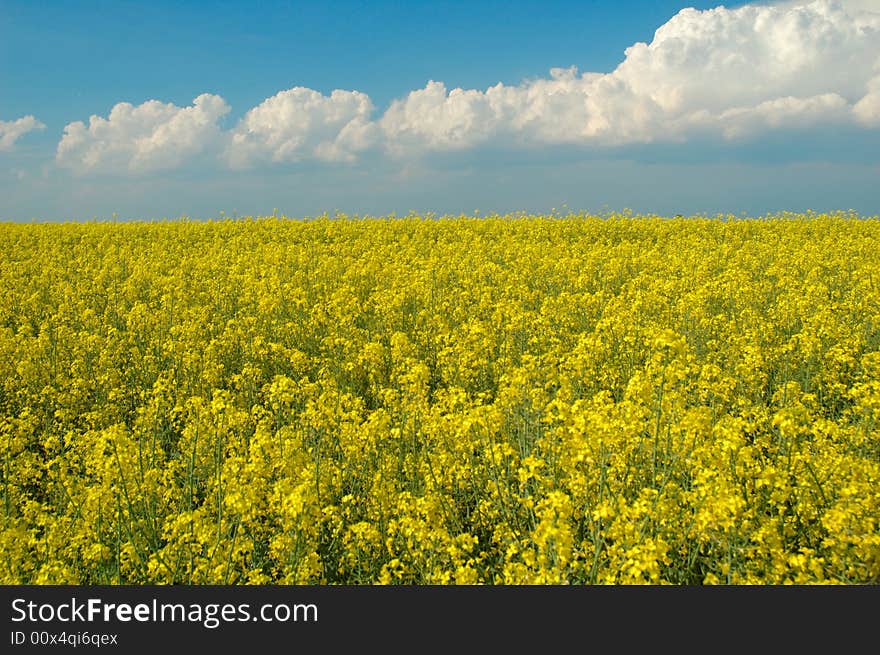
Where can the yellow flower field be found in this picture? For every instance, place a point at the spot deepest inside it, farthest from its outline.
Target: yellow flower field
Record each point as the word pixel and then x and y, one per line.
pixel 421 400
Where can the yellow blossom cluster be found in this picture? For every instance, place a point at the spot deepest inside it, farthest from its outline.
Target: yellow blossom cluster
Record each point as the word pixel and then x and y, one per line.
pixel 512 399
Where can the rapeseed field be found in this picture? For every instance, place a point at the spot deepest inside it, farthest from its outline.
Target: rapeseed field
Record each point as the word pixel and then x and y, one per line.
pixel 520 399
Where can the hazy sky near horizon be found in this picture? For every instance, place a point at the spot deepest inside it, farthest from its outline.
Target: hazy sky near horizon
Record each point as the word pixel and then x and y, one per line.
pixel 168 109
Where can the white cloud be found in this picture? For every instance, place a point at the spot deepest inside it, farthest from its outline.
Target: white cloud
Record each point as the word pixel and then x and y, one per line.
pixel 12 131
pixel 728 74
pixel 301 123
pixel 731 72
pixel 724 58
pixel 789 111
pixel 148 137
pixel 434 118
pixel 867 110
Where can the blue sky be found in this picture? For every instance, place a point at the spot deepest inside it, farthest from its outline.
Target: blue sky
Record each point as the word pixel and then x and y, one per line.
pixel 378 107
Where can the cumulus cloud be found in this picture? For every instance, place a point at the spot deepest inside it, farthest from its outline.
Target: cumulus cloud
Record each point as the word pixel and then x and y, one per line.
pixel 731 72
pixel 301 123
pixel 724 74
pixel 142 138
pixel 867 110
pixel 434 118
pixel 12 131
